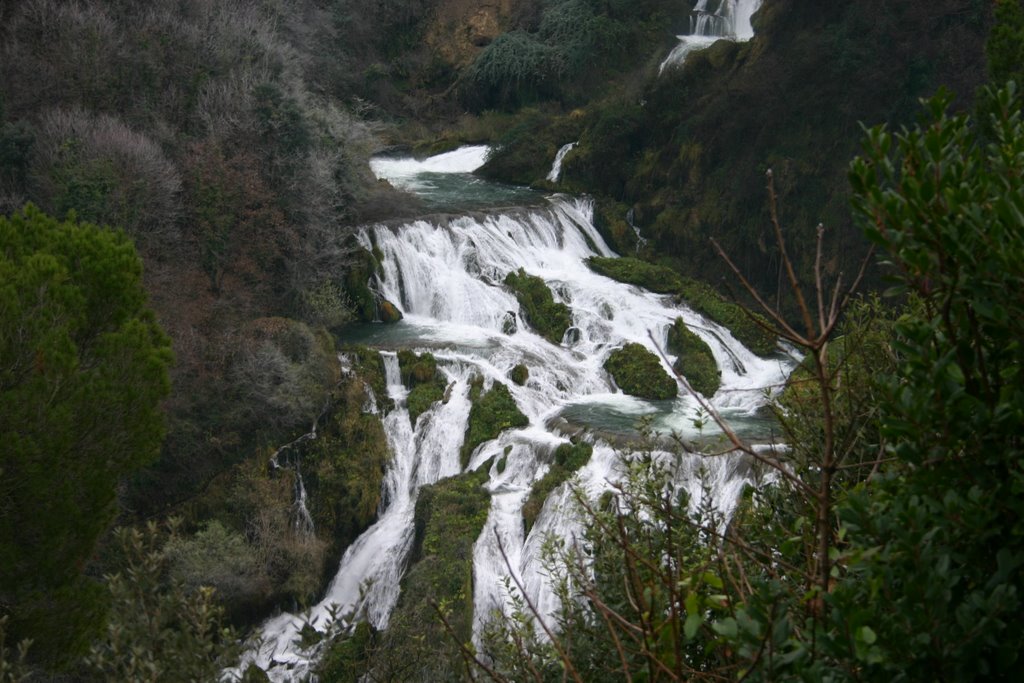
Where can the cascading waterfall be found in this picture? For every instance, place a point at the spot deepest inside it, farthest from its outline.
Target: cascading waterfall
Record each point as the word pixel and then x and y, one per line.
pixel 713 20
pixel 556 167
pixel 446 278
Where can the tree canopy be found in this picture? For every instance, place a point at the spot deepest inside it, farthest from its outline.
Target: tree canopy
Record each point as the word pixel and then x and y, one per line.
pixel 83 368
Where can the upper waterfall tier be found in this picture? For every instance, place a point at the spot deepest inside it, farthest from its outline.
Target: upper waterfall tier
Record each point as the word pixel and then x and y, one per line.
pixel 713 20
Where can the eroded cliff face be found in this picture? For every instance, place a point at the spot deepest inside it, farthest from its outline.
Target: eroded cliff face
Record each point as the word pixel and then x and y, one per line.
pixel 457 30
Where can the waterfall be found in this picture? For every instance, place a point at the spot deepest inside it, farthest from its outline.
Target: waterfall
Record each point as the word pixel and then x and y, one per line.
pixel 556 167
pixel 713 20
pixel 446 276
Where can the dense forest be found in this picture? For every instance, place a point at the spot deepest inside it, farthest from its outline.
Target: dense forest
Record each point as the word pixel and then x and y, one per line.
pixel 183 193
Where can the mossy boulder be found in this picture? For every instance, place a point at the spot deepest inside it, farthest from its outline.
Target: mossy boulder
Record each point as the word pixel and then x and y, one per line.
pixel 389 313
pixel 491 414
pixel 426 384
pixel 568 458
pixel 519 374
pixel 357 285
pixel 747 327
pixel 694 359
pixel 539 309
pixel 633 271
pixel 638 372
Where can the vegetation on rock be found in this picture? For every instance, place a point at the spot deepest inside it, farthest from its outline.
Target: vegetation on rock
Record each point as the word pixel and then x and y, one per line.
pixel 694 359
pixel 539 308
pixel 568 458
pixel 519 374
pixel 426 383
pixel 416 646
pixel 748 327
pixel 492 413
pixel 638 372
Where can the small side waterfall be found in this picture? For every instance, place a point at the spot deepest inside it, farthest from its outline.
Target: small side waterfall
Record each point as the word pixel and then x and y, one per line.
pixel 714 20
pixel 556 167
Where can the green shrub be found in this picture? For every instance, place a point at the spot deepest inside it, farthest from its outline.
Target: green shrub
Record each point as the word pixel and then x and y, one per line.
pixel 539 309
pixel 491 414
pixel 638 372
pixel 514 70
pixel 426 384
pixel 694 359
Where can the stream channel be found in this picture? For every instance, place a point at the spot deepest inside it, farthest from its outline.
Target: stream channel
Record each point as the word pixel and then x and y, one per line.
pixel 445 275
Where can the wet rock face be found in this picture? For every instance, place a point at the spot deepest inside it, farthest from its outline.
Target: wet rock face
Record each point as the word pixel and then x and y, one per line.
pixel 459 29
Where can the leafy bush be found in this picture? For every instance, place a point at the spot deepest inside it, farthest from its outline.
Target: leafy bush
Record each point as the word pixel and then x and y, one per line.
pixel 638 372
pixel 694 359
pixel 514 70
pixel 491 414
pixel 539 309
pixel 158 631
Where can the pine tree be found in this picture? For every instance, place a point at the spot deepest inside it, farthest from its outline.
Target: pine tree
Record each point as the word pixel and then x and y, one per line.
pixel 83 368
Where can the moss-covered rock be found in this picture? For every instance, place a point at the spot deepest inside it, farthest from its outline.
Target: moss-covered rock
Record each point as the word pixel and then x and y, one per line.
pixel 568 458
pixel 694 359
pixel 426 384
pixel 416 647
pixel 357 285
pixel 344 469
pixel 519 374
pixel 539 309
pixel 610 221
pixel 747 327
pixel 638 372
pixel 491 414
pixel 389 313
pixel 633 271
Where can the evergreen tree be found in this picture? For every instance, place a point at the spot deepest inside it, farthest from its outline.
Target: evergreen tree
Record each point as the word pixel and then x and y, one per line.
pixel 1005 47
pixel 83 368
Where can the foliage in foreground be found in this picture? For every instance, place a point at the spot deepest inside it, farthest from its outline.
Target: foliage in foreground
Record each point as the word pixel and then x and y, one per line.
pixel 888 546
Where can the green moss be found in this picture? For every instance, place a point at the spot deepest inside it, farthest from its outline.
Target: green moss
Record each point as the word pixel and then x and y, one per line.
pixel 568 459
pixel 347 659
pixel 610 221
pixel 357 285
pixel 491 414
pixel 694 359
pixel 416 647
pixel 519 374
pixel 426 384
pixel 703 298
pixel 638 372
pixel 344 468
pixel 539 309
pixel 633 271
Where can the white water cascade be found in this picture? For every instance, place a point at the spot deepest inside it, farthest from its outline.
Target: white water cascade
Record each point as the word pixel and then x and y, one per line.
pixel 711 21
pixel 446 277
pixel 556 167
